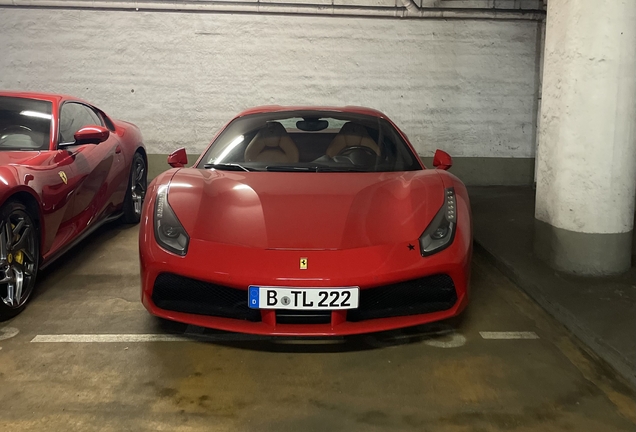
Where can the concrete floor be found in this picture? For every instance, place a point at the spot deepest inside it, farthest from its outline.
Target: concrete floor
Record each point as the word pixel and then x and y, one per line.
pixel 443 377
pixel 601 311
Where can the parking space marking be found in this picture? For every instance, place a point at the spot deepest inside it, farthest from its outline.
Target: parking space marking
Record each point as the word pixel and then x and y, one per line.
pixel 87 338
pixel 8 332
pixel 509 335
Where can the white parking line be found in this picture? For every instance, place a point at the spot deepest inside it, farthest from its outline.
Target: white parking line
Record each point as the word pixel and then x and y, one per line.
pixel 85 338
pixel 509 335
pixel 8 332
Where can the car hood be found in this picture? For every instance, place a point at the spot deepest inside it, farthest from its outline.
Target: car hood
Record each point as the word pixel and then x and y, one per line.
pixel 305 211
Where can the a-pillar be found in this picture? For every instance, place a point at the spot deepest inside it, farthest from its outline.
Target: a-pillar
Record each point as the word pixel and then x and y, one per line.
pixel 586 177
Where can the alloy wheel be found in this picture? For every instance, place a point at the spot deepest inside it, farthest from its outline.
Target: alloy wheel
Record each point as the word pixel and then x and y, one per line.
pixel 138 184
pixel 18 257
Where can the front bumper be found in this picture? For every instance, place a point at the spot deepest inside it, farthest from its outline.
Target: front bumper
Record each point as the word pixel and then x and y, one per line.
pixel 224 272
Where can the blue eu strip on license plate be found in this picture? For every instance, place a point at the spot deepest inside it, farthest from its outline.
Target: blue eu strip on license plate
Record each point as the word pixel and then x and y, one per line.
pixel 319 298
pixel 253 297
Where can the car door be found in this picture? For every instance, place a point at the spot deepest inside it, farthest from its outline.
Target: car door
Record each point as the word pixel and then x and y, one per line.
pixel 98 167
pixel 55 178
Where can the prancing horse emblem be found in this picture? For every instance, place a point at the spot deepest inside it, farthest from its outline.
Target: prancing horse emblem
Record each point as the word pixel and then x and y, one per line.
pixel 303 263
pixel 63 177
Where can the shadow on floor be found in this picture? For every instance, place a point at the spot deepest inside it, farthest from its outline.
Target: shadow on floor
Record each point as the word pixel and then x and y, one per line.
pixel 435 334
pixel 80 253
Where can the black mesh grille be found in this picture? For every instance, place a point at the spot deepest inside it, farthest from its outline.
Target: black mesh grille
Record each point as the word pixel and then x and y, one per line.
pixel 417 296
pixel 182 294
pixel 284 316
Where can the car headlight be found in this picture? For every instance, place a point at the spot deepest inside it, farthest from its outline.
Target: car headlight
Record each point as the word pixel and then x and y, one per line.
pixel 169 232
pixel 441 231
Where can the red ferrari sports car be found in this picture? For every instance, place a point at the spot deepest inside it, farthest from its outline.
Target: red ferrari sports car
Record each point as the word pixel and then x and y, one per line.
pixel 65 169
pixel 307 222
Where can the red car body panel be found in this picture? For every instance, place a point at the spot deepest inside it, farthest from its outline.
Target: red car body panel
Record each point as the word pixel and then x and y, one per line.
pixel 96 178
pixel 268 211
pixel 251 228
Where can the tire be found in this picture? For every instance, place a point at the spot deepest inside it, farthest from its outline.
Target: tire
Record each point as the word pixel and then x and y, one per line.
pixel 19 258
pixel 136 190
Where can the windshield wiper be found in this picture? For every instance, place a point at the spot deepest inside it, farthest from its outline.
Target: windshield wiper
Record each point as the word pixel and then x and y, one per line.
pixel 228 167
pixel 339 169
pixel 312 168
pixel 291 168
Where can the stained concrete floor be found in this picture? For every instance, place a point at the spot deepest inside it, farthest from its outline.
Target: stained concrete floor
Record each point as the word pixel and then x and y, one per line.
pixel 443 377
pixel 600 311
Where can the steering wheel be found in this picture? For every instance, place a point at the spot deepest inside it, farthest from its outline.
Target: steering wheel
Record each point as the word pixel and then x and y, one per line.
pixel 360 156
pixel 16 129
pixel 348 150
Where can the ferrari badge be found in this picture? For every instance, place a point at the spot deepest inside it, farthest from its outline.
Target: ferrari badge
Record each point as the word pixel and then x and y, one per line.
pixel 63 177
pixel 303 263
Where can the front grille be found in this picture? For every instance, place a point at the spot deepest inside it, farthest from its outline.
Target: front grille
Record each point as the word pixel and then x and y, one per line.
pixel 418 296
pixel 182 294
pixel 284 316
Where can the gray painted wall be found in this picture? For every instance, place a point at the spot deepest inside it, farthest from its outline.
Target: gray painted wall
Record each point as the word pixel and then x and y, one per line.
pixel 466 86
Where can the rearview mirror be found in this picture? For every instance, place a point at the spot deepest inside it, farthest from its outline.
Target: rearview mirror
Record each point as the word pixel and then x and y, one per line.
pixel 178 158
pixel 442 160
pixel 89 135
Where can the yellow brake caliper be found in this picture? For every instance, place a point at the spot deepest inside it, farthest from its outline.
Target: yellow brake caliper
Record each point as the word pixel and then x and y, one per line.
pixel 18 256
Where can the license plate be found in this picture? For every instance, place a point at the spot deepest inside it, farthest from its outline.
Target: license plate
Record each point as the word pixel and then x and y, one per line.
pixel 264 297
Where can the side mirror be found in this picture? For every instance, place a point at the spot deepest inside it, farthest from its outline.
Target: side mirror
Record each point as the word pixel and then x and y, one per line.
pixel 442 160
pixel 91 135
pixel 178 158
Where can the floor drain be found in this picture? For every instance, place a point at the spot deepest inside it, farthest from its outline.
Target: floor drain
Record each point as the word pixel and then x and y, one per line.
pixel 8 332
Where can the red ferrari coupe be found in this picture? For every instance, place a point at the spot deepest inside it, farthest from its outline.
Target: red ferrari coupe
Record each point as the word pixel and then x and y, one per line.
pixel 65 169
pixel 308 222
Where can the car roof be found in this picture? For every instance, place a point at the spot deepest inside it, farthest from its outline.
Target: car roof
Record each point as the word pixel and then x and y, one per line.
pixel 280 108
pixel 52 97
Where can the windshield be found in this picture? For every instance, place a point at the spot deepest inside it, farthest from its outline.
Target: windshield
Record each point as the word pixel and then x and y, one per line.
pixel 25 124
pixel 310 141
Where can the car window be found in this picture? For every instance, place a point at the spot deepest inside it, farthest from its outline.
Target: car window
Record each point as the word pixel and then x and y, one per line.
pixel 73 117
pixel 305 141
pixel 97 120
pixel 25 124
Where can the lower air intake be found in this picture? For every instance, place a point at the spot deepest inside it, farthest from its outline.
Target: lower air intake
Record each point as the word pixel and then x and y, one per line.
pixel 181 294
pixel 418 296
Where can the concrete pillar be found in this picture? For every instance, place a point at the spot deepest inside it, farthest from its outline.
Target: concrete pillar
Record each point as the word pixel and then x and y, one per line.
pixel 586 177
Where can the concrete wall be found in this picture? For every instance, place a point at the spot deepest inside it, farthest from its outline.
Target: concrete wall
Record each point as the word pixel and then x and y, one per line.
pixel 466 86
